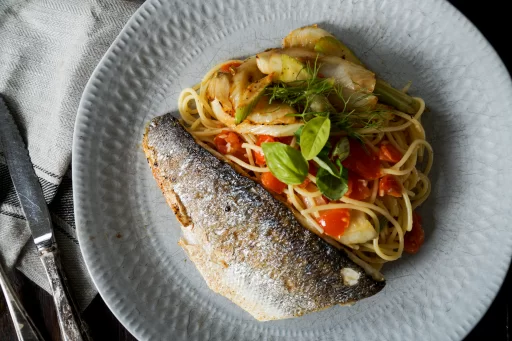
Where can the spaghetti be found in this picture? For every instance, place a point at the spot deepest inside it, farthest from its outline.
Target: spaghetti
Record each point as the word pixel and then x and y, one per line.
pixel 381 222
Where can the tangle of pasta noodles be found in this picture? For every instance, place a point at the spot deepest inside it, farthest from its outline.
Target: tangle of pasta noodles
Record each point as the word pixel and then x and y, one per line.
pixel 391 217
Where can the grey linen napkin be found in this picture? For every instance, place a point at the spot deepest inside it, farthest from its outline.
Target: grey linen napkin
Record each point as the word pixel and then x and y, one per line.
pixel 48 50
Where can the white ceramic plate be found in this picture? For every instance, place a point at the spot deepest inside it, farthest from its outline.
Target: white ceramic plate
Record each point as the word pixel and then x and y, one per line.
pixel 129 236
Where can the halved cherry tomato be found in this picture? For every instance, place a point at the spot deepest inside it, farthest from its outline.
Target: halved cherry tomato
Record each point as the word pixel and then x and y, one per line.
pixel 362 161
pixel 270 182
pixel 312 168
pixel 416 237
pixel 334 222
pixel 357 187
pixel 259 158
pixel 305 183
pixel 227 67
pixel 389 153
pixel 389 185
pixel 265 138
pixel 285 139
pixel 228 142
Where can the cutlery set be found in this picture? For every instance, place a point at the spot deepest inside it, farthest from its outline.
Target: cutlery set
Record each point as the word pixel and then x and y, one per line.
pixel 36 212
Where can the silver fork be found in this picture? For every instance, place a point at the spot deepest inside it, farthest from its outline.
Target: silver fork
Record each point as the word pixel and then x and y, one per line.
pixel 25 328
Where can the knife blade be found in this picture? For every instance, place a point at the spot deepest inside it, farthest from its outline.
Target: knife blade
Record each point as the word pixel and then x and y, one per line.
pixel 25 180
pixel 35 209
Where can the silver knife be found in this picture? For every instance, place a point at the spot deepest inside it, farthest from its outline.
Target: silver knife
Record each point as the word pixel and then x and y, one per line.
pixel 34 207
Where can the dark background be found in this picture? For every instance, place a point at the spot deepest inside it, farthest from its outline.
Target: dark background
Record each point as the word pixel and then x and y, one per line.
pixel 492 20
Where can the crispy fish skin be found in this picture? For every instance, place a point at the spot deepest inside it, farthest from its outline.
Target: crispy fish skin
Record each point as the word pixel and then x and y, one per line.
pixel 248 246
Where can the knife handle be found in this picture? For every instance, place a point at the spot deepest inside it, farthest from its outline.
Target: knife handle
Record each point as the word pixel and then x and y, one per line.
pixel 72 328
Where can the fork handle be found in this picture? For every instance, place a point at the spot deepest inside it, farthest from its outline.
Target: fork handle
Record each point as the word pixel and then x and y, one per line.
pixel 72 328
pixel 25 328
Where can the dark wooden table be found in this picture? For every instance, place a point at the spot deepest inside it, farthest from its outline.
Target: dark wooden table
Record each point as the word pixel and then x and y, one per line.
pixel 492 20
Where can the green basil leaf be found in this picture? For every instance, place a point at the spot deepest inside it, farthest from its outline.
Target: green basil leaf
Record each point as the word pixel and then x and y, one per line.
pixel 297 134
pixel 285 163
pixel 343 171
pixel 326 164
pixel 342 149
pixel 308 116
pixel 330 186
pixel 324 153
pixel 314 135
pixel 344 174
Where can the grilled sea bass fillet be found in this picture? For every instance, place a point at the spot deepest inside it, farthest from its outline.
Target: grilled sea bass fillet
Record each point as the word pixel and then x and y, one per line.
pixel 248 246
